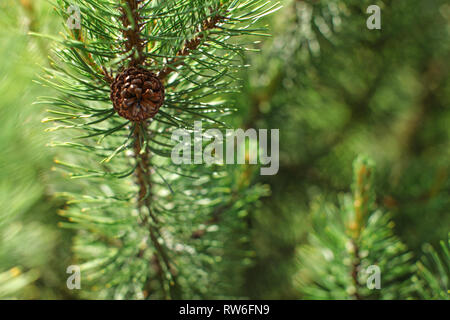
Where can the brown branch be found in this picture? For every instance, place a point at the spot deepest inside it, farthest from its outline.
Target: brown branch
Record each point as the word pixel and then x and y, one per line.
pixel 190 45
pixel 142 157
pixel 355 270
pixel 160 260
pixel 134 43
pixel 131 32
pixel 361 207
pixel 142 173
pixel 108 75
pixel 142 177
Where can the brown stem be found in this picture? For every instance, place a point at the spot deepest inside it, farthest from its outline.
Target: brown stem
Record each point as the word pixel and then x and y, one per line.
pixel 190 45
pixel 362 203
pixel 142 177
pixel 131 22
pixel 142 157
pixel 135 45
pixel 355 270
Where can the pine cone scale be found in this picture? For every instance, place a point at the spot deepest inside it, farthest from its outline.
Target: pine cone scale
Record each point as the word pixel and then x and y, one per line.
pixel 137 94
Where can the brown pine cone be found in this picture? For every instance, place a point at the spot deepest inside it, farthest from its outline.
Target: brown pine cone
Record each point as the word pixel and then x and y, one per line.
pixel 137 94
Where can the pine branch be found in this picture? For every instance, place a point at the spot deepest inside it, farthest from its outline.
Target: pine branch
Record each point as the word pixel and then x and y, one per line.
pixel 143 172
pixel 346 241
pixel 136 197
pixel 190 45
pixel 134 44
pixel 355 270
pixel 362 206
pixel 132 28
pixel 433 272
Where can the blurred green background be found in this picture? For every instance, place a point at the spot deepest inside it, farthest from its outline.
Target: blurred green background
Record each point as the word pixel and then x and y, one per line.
pixel 334 89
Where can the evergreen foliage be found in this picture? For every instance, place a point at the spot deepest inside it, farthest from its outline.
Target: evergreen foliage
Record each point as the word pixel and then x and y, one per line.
pixel 146 227
pixel 337 90
pixel 141 227
pixel 350 243
pixel 432 280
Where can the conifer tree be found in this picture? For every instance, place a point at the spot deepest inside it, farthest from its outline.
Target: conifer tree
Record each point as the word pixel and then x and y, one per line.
pixel 140 226
pixel 353 252
pixel 337 90
pixel 128 77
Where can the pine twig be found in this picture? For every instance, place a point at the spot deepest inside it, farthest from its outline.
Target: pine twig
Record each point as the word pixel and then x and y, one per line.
pixel 131 22
pixel 362 202
pixel 144 201
pixel 190 45
pixel 355 269
pixel 134 43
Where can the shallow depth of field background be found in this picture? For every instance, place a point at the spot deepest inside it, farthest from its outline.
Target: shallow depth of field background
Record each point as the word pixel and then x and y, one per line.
pixel 333 94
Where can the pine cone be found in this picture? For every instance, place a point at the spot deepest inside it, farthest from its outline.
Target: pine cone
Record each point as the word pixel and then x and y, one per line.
pixel 137 94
